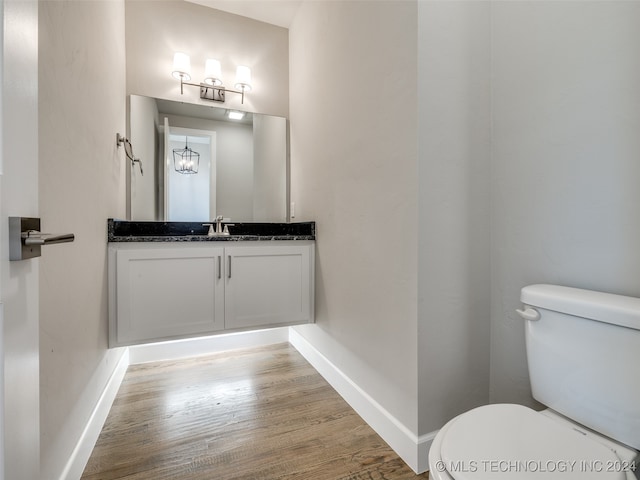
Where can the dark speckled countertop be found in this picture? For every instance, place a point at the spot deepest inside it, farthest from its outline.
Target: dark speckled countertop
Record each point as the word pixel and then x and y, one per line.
pixel 130 231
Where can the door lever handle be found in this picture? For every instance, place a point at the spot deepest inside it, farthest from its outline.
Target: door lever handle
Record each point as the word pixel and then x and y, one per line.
pixel 33 237
pixel 26 239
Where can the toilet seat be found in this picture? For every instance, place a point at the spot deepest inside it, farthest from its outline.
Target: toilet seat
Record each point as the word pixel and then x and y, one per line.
pixel 513 442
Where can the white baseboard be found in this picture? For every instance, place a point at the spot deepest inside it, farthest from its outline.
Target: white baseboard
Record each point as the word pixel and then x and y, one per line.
pixel 192 347
pixel 81 453
pixel 412 449
pixel 424 445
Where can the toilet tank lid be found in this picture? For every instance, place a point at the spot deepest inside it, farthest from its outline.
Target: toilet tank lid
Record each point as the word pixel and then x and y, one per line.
pixel 603 307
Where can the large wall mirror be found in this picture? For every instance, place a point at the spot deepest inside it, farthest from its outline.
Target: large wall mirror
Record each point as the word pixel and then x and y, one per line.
pixel 241 163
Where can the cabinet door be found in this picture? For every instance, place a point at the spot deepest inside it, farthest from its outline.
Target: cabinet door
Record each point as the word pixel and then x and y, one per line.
pixel 268 286
pixel 168 293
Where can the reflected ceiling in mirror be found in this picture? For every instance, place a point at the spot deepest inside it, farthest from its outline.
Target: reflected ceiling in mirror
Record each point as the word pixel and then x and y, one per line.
pixel 201 111
pixel 243 169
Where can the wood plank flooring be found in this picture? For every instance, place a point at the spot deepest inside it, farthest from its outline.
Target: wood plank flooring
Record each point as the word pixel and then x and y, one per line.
pixel 248 414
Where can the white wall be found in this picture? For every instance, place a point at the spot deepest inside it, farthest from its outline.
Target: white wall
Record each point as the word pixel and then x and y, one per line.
pixel 19 197
pixel 353 171
pixel 82 183
pixel 565 168
pixel 155 30
pixel 454 220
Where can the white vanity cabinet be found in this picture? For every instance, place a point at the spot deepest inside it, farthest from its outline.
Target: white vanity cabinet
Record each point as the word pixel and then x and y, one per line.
pixel 160 291
pixel 267 285
pixel 165 292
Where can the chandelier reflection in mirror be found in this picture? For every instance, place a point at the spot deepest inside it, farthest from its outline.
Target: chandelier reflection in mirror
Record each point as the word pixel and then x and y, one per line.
pixel 186 160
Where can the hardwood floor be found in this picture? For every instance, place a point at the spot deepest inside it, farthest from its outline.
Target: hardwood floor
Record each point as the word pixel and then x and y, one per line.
pixel 248 414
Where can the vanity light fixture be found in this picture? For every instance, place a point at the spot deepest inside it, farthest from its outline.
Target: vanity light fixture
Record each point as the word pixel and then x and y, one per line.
pixel 211 87
pixel 186 160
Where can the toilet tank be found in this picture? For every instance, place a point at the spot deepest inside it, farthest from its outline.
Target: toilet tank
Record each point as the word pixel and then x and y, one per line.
pixel 583 351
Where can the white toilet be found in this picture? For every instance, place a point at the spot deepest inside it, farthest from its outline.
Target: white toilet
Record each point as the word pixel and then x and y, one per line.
pixel 583 349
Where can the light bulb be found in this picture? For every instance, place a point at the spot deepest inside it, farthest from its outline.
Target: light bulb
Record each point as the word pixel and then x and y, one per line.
pixel 212 72
pixel 181 66
pixel 243 78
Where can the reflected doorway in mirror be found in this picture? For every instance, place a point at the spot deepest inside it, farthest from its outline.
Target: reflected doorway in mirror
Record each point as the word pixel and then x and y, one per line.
pixel 190 198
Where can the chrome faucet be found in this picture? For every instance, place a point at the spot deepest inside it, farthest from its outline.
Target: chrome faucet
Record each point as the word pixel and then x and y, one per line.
pixel 218 232
pixel 218 227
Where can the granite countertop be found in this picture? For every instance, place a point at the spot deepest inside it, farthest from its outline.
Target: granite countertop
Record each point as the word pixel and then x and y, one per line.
pixel 132 231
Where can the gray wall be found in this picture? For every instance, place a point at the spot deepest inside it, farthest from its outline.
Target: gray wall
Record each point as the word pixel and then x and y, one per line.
pixel 353 171
pixel 82 183
pixel 528 121
pixel 269 169
pixel 565 165
pixel 454 132
pixel 401 197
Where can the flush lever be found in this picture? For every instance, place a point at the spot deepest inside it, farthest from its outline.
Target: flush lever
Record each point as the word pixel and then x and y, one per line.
pixel 26 239
pixel 529 313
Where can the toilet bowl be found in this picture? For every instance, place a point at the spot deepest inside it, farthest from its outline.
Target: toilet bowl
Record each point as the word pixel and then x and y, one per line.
pixel 513 442
pixel 583 349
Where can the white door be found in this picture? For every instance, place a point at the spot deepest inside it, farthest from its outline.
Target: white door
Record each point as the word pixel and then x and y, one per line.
pixel 19 282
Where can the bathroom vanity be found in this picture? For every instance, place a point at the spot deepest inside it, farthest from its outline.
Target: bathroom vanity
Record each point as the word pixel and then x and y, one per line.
pixel 170 280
